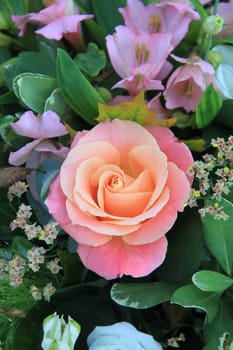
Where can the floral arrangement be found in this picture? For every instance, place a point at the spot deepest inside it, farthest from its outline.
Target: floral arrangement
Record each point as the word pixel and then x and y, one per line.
pixel 116 174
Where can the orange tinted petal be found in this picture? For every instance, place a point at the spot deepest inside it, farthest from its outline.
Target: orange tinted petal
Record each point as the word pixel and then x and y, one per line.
pixel 102 150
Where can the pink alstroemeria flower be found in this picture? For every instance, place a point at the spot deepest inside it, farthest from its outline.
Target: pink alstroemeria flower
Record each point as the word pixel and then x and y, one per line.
pixel 187 83
pixel 140 59
pixel 61 19
pixel 166 17
pixel 41 129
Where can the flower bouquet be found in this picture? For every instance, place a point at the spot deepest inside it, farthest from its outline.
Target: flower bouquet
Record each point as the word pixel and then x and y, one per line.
pixel 116 122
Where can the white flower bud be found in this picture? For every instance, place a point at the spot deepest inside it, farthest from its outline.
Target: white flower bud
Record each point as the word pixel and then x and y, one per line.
pixel 59 335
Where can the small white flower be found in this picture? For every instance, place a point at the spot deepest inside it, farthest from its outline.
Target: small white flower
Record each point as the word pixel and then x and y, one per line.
pixel 121 336
pixel 59 335
pixel 224 72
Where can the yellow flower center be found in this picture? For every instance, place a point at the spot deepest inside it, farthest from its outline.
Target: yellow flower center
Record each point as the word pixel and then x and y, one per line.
pixel 154 24
pixel 142 53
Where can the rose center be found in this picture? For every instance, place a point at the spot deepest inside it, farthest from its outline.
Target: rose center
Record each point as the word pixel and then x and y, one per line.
pixel 115 183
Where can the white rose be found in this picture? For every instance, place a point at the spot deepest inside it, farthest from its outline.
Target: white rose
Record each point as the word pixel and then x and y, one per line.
pixel 224 72
pixel 121 336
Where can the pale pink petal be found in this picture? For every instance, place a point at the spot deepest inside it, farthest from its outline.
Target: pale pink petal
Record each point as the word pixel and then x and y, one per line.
pixel 53 147
pixel 57 28
pixel 153 229
pixel 56 205
pixel 176 151
pixel 21 22
pixel 136 83
pixel 43 126
pixel 20 157
pixel 116 258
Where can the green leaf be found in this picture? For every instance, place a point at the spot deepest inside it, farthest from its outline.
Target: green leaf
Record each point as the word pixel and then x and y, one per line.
pixel 218 236
pixel 222 323
pixel 141 295
pixel 92 61
pixel 76 89
pixel 20 245
pixel 47 180
pixel 33 89
pixel 224 117
pixel 55 102
pixel 190 296
pixel 211 281
pixel 198 6
pixel 107 14
pixel 208 107
pixel 185 248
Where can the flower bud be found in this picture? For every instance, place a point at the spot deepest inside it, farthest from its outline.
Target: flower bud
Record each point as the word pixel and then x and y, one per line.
pixel 213 24
pixel 59 335
pixel 104 93
pixel 214 58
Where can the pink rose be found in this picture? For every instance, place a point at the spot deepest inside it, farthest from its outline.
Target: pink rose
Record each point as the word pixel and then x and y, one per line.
pixel 118 194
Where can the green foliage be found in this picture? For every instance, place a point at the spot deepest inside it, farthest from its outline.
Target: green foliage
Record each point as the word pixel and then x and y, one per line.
pixel 208 107
pixel 218 236
pixel 107 14
pixel 141 295
pixel 20 245
pixel 211 281
pixel 34 89
pixel 78 93
pixel 185 249
pixel 223 322
pixel 92 61
pixel 224 117
pixel 190 296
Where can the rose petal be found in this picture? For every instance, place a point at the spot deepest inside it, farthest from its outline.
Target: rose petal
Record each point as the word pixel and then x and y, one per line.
pixel 103 150
pixel 176 152
pixel 56 205
pixel 153 229
pixel 104 227
pixel 136 261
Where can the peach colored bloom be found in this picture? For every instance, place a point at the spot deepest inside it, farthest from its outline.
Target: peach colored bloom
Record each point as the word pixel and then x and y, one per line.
pixel 118 194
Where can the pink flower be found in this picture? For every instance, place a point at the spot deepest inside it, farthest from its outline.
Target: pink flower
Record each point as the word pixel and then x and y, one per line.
pixel 61 19
pixel 187 83
pixel 42 129
pixel 144 65
pixel 118 194
pixel 225 10
pixel 166 17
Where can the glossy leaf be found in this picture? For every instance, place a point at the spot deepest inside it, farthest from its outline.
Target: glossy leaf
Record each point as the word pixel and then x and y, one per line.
pixel 34 89
pixel 211 281
pixel 190 296
pixel 222 323
pixel 20 245
pixel 208 107
pixel 55 102
pixel 218 236
pixel 107 13
pixel 92 61
pixel 141 295
pixel 76 89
